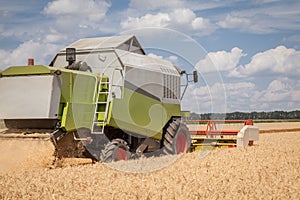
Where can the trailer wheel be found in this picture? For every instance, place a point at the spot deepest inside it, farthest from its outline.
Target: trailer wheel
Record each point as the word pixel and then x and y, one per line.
pixel 177 138
pixel 115 150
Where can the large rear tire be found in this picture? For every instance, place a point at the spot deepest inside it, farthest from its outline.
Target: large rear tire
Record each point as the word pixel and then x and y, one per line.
pixel 177 138
pixel 115 150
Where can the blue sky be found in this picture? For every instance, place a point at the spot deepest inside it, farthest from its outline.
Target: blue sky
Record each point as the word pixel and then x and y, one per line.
pixel 246 52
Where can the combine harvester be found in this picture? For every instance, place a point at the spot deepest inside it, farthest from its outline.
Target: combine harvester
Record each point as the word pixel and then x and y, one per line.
pixel 105 99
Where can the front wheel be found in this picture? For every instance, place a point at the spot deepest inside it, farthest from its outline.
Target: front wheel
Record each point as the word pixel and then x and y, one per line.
pixel 115 150
pixel 177 138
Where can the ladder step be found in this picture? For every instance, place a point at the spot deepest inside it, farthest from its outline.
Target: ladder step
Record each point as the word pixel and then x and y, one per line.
pixel 100 112
pixel 102 102
pixel 103 92
pixel 97 133
pixel 98 122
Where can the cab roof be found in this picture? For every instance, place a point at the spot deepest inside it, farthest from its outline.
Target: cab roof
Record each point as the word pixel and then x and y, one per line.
pixel 124 42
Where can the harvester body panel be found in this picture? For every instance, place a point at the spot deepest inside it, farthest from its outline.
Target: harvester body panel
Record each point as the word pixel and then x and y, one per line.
pixel 35 97
pixel 36 92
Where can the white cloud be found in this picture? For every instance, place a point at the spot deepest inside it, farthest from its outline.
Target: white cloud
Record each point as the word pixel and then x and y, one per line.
pixel 220 60
pixel 155 4
pixel 64 21
pixel 41 52
pixel 234 21
pixel 293 38
pixel 279 60
pixel 152 55
pixel 239 95
pixel 246 96
pixel 54 37
pixel 208 98
pixel 181 19
pixel 200 23
pixel 149 20
pixel 264 19
pixel 80 9
pixel 280 94
pixel 195 5
pixel 173 59
pixel 253 23
pixel 277 85
pixel 77 18
pixel 182 16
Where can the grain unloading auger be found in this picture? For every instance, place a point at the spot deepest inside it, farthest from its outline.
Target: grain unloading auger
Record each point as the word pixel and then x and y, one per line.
pixel 101 98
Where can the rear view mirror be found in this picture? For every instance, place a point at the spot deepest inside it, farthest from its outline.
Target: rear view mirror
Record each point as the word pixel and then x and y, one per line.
pixel 195 75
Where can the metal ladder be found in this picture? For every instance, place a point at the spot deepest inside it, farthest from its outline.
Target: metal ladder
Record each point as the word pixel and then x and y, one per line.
pixel 104 89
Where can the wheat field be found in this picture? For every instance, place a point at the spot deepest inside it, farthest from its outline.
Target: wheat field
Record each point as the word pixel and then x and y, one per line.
pixel 268 170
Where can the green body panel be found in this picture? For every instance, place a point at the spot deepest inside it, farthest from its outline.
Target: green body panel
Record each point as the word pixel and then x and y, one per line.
pixel 77 115
pixel 140 114
pixel 78 99
pixel 28 70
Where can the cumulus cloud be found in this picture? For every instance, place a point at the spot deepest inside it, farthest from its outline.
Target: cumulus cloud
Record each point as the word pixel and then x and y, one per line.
pixel 264 19
pixel 84 9
pixel 152 55
pixel 180 19
pixel 76 18
pixel 220 60
pixel 67 20
pixel 235 21
pixel 205 98
pixel 252 23
pixel 198 5
pixel 280 94
pixel 293 38
pixel 280 60
pixel 173 59
pixel 41 52
pixel 148 20
pixel 155 4
pixel 183 16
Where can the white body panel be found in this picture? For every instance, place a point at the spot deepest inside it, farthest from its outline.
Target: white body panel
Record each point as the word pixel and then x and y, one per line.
pixel 29 97
pixel 246 134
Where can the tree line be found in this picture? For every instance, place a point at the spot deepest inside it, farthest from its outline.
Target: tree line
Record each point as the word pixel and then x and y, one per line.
pixel 248 115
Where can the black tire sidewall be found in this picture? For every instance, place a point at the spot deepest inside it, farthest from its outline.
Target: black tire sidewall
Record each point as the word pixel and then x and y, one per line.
pixel 182 129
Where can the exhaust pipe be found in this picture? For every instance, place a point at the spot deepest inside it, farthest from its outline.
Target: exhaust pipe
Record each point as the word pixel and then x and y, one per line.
pixel 30 62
